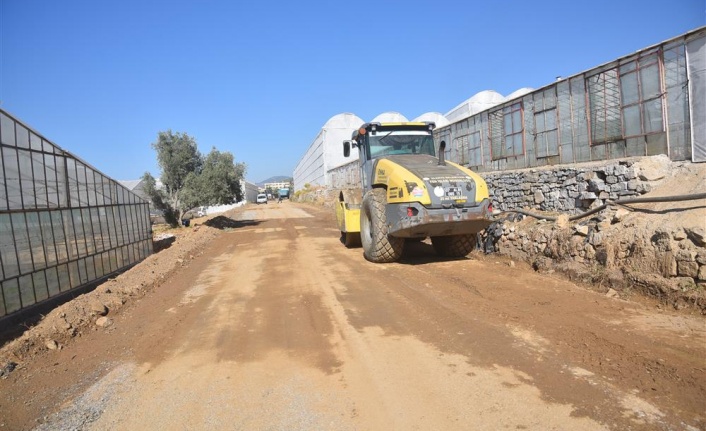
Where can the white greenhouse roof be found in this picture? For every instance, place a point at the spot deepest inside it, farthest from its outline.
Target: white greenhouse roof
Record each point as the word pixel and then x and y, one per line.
pixel 390 117
pixel 437 117
pixel 519 93
pixel 344 120
pixel 478 102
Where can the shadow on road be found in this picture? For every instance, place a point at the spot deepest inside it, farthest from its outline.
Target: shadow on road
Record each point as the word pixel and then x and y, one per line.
pixel 223 222
pixel 421 253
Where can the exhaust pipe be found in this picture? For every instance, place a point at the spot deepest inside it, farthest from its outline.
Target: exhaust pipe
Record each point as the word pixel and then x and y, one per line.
pixel 442 147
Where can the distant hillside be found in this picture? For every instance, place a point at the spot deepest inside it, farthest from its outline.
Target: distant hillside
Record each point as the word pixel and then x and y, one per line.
pixel 275 179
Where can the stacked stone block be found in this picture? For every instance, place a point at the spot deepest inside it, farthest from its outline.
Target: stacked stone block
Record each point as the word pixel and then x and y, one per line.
pixel 565 189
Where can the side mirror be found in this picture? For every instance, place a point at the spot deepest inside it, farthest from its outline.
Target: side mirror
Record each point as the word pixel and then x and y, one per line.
pixel 442 148
pixel 347 148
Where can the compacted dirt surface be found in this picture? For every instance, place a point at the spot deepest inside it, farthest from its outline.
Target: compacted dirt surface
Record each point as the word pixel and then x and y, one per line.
pixel 273 324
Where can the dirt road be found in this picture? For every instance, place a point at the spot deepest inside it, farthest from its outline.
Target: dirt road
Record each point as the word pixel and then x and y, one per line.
pixel 278 326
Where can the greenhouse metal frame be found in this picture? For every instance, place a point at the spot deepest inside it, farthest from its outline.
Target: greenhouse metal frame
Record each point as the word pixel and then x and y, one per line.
pixel 63 224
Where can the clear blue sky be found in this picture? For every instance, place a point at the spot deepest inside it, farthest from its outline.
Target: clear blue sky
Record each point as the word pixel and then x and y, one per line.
pixel 259 79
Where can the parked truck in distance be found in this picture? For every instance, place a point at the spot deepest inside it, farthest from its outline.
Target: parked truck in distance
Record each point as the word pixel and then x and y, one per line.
pixel 283 193
pixel 408 192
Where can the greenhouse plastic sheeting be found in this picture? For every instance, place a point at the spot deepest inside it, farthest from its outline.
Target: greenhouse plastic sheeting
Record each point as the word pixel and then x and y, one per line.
pixel 696 63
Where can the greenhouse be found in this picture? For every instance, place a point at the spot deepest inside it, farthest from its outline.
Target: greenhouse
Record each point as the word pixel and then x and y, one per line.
pixel 646 103
pixel 323 164
pixel 63 224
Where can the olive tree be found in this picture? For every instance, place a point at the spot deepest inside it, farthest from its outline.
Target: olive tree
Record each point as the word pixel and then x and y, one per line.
pixel 189 179
pixel 218 182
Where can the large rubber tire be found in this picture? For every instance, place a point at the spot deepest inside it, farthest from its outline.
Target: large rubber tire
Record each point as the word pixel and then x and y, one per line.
pixel 350 239
pixel 455 245
pixel 378 246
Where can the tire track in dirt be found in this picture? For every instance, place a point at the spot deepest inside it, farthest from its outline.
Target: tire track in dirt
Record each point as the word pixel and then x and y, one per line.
pixel 278 326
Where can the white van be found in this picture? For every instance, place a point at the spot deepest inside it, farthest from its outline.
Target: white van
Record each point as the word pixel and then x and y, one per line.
pixel 261 198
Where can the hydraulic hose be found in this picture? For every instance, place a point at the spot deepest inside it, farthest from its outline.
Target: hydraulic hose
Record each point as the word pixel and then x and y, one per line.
pixel 608 203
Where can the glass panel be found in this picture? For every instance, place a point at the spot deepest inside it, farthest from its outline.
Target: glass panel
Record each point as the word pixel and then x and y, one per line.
pixel 128 224
pixel 10 266
pixel 35 240
pixel 604 98
pixel 25 162
pixel 12 178
pixel 52 282
pixel 516 121
pixel 507 123
pixel 628 88
pixel 541 150
pixel 90 269
pixel 82 271
pixel 52 191
pixel 649 82
pixel 26 290
pixel 74 275
pixel 11 291
pixel 509 145
pixel 550 117
pixel 88 231
pixel 675 66
pixel 61 172
pixel 549 98
pixel 627 67
pixel 631 121
pixel 141 250
pixel 107 191
pixel 22 243
pixel 653 116
pixel 136 221
pixel 59 237
pixel 22 135
pixel 48 237
pixel 48 147
pixel 7 130
pixel 115 263
pixel 40 183
pixel 118 215
pixel 64 278
pixel 552 143
pixel 539 122
pixel 73 185
pixel 122 257
pixel 145 221
pixel 72 241
pixel 112 237
pixel 35 142
pixel 106 263
pixel 82 186
pixel 518 144
pixel 96 227
pixel 99 189
pixel 40 286
pixel 648 59
pixel 91 186
pixel 98 263
pixel 106 228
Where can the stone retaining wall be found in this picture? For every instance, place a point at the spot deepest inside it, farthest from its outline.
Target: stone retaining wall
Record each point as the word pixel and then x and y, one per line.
pixel 570 189
pixel 662 253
